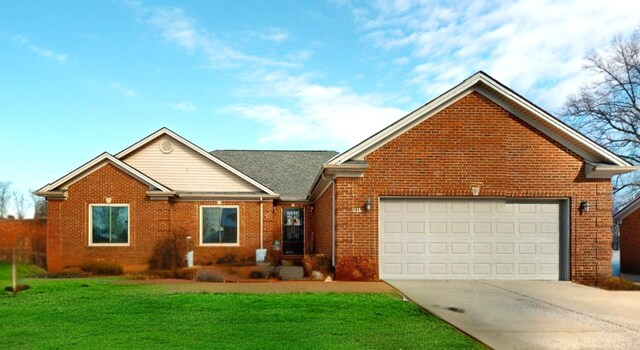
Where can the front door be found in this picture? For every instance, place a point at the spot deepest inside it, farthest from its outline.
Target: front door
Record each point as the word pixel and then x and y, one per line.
pixel 293 231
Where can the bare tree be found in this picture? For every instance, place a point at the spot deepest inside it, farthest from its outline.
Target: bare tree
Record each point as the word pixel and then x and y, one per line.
pixel 20 203
pixel 607 108
pixel 5 197
pixel 39 206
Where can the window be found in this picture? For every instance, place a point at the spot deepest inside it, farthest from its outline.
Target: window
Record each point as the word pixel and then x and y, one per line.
pixel 219 225
pixel 109 224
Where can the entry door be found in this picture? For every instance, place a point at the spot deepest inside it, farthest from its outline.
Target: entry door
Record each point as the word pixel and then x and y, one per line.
pixel 293 231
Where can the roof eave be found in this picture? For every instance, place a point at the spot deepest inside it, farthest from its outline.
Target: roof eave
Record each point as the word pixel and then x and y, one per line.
pixel 52 195
pixel 627 210
pixel 605 171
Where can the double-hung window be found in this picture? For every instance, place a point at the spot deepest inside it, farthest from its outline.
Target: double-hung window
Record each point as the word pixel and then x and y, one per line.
pixel 109 224
pixel 219 225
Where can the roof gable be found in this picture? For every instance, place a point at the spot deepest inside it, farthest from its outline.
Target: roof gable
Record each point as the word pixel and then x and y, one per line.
pixel 187 167
pixel 62 184
pixel 504 97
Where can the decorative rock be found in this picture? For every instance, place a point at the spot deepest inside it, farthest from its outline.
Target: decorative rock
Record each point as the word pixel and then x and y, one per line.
pixel 291 273
pixel 329 279
pixel 317 276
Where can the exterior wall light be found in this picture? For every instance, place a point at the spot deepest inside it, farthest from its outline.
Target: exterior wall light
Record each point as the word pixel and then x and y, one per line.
pixel 584 206
pixel 107 200
pixel 367 204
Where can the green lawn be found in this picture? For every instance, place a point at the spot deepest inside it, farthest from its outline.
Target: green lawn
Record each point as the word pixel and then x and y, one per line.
pixel 98 313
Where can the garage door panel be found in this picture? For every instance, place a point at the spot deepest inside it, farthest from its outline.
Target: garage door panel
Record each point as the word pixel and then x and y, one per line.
pixel 469 239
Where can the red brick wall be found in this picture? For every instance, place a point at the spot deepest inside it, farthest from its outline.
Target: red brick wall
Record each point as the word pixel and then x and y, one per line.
pixel 68 236
pixel 630 243
pixel 185 220
pixel 29 236
pixel 323 223
pixel 474 142
pixel 150 222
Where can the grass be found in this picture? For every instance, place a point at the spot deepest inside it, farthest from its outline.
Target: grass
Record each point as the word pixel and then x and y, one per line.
pixel 98 313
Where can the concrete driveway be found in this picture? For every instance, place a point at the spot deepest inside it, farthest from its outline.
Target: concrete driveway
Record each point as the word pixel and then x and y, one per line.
pixel 532 314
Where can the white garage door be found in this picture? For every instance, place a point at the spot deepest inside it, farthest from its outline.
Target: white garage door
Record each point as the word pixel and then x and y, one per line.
pixel 469 239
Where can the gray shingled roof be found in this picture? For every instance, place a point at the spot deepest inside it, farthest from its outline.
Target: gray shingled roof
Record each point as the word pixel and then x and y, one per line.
pixel 288 173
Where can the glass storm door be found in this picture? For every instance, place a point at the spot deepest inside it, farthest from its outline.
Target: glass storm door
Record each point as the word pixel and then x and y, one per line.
pixel 293 232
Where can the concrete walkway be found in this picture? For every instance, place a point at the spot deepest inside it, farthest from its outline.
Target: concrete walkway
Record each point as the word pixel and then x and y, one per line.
pixel 533 314
pixel 277 287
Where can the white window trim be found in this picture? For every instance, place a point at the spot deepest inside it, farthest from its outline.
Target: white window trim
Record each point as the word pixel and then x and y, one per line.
pixel 202 243
pixel 90 228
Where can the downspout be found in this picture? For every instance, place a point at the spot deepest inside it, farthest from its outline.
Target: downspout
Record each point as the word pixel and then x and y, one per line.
pixel 333 233
pixel 261 220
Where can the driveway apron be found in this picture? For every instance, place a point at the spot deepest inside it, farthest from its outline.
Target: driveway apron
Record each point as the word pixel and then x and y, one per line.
pixel 532 314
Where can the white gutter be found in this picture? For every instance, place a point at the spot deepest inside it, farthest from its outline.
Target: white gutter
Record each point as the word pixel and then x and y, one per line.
pixel 261 214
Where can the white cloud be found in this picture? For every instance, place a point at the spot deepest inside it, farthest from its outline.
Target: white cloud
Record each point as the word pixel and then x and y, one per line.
pixel 534 46
pixel 123 90
pixel 271 34
pixel 316 114
pixel 179 28
pixel 401 60
pixel 185 106
pixel 46 53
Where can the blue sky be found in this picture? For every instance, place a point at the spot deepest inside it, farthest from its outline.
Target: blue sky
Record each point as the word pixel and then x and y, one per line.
pixel 82 77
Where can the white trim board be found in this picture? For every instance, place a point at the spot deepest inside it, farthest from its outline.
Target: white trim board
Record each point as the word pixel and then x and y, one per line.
pixel 482 82
pixel 97 163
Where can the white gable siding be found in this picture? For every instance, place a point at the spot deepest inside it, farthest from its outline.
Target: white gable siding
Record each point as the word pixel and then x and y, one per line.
pixel 184 169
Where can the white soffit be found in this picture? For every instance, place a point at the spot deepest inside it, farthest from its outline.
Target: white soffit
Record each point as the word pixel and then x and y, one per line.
pixel 166 131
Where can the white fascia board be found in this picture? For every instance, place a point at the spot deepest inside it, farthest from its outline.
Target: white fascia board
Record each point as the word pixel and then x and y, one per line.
pixel 166 131
pixel 573 134
pixel 377 140
pixel 97 163
pixel 224 196
pixel 627 210
pixel 471 84
pixel 605 171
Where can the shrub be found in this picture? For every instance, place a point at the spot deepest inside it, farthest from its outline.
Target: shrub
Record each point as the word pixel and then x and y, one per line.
pixel 186 274
pixel 104 268
pixel 205 275
pixel 169 253
pixel 616 283
pixel 355 268
pixel 317 262
pixel 229 258
pixel 69 272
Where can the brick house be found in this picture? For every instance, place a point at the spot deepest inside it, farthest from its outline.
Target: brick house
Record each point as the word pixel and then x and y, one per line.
pixel 479 183
pixel 628 221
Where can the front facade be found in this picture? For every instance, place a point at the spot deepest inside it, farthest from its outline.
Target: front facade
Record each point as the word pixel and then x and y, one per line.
pixel 477 184
pixel 628 222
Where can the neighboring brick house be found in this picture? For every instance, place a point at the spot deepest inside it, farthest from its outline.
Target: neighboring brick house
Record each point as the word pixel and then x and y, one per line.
pixel 628 221
pixel 479 183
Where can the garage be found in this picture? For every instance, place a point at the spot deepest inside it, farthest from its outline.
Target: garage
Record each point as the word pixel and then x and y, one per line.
pixel 428 238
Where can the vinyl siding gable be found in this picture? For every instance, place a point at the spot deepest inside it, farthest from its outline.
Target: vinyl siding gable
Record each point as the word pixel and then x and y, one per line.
pixel 183 169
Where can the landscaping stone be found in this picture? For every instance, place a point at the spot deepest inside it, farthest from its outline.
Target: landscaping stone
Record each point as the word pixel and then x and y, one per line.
pixel 291 273
pixel 317 276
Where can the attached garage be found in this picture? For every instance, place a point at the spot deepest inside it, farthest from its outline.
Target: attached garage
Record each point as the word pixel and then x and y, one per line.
pixel 432 238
